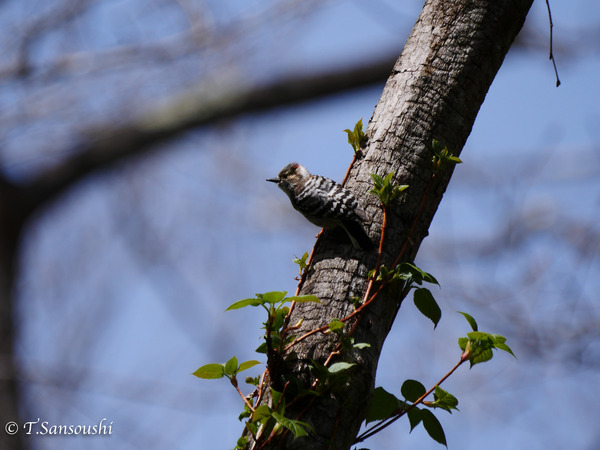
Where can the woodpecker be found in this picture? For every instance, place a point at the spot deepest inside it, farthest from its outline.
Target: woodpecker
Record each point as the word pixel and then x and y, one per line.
pixel 324 202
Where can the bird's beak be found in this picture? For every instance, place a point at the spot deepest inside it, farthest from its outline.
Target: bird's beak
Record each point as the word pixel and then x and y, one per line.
pixel 273 180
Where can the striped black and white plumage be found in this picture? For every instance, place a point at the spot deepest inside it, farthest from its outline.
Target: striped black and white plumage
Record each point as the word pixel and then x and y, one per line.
pixel 324 202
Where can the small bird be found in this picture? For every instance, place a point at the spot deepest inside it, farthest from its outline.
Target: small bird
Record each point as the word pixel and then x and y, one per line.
pixel 324 202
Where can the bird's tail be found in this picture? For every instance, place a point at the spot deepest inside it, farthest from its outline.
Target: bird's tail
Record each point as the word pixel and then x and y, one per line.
pixel 357 235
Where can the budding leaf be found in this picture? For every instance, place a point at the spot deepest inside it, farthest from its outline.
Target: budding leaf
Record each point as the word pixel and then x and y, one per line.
pixel 356 137
pixel 444 400
pixel 301 261
pixel 231 366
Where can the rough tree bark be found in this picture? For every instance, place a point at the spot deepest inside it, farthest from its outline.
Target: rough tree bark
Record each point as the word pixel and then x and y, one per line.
pixel 434 92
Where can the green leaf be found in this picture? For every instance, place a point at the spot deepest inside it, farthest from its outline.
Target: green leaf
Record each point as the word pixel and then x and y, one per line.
pixel 383 405
pixel 278 400
pixel 377 180
pixel 444 400
pixel 412 390
pixel 462 343
pixel 303 299
pixel 262 412
pixel 248 364
pixel 506 348
pixel 297 428
pixel 414 417
pixel 279 318
pixel 301 261
pixel 244 303
pixel 245 413
pixel 425 303
pixel 479 347
pixel 210 371
pixel 252 428
pixel 361 345
pixel 436 146
pixel 336 325
pixel 288 340
pixel 356 137
pixel 241 443
pixel 470 320
pixel 231 366
pixel 272 297
pixel 418 275
pixel 480 336
pixel 358 128
pixel 262 348
pixel 384 189
pixel 429 278
pixel 319 370
pixel 481 356
pixel 254 381
pixel 339 367
pixel 275 340
pixel 388 178
pixel 433 427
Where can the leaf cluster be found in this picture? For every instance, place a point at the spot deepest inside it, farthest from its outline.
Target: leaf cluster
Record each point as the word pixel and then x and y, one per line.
pixel 347 342
pixel 230 369
pixel 478 346
pixel 302 264
pixel 384 189
pixel 442 157
pixel 275 304
pixel 331 378
pixel 386 406
pixel 265 420
pixel 356 137
pixel 406 276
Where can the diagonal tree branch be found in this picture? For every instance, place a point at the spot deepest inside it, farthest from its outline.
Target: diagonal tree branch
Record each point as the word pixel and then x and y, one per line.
pixel 435 91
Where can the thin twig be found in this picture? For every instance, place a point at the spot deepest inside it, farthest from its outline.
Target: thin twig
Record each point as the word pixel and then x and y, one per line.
pixel 551 44
pixel 237 388
pixel 385 423
pixel 349 169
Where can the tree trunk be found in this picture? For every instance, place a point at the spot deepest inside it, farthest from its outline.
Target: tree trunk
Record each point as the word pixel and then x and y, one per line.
pixel 434 92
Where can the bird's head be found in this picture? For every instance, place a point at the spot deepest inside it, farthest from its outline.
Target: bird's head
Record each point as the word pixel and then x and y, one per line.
pixel 290 176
